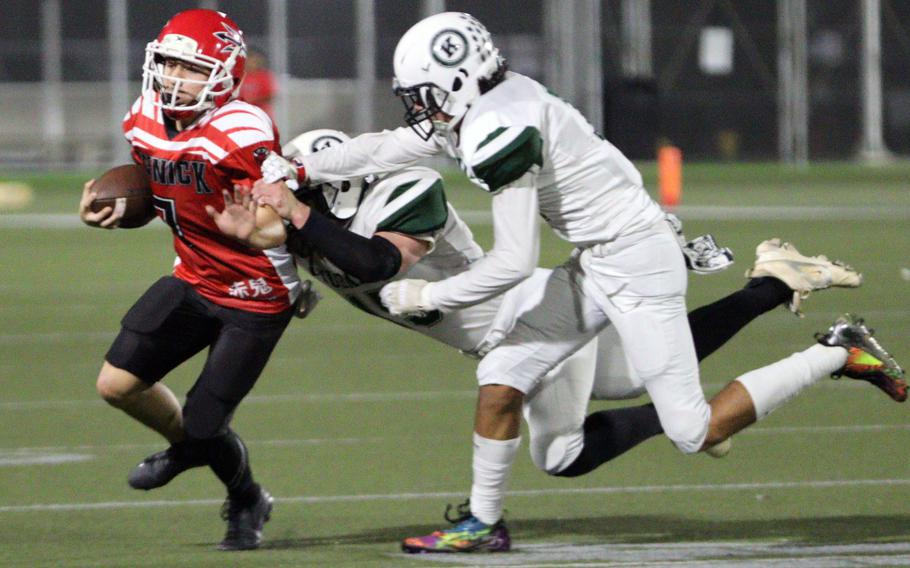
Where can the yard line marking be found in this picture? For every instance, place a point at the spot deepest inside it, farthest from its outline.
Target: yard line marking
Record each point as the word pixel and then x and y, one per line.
pixel 140 445
pixel 754 213
pixel 689 554
pixel 365 397
pixel 374 326
pixel 55 337
pixel 290 442
pixel 16 339
pixel 456 494
pixel 20 458
pixel 58 221
pixel 776 562
pixel 269 398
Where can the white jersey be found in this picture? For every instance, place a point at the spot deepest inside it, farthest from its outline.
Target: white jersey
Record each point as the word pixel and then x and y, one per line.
pixel 538 156
pixel 519 133
pixel 588 191
pixel 412 202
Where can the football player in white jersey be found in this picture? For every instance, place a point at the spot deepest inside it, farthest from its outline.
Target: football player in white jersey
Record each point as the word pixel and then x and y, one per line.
pixel 539 157
pixel 410 206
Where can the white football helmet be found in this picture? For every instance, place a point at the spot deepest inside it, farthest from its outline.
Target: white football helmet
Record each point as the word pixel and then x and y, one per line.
pixel 439 66
pixel 341 198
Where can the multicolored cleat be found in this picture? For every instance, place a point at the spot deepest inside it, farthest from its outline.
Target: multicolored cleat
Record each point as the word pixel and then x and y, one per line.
pixel 468 534
pixel 801 273
pixel 867 360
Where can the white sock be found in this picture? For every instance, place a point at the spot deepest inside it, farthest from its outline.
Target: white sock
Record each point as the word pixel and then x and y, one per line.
pixel 773 385
pixel 492 464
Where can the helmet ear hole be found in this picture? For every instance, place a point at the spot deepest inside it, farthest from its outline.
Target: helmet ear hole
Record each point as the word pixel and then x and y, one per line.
pixel 456 84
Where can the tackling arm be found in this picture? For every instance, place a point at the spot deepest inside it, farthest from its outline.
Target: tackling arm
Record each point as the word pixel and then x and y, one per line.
pixel 515 252
pixel 373 153
pixel 514 256
pixel 367 259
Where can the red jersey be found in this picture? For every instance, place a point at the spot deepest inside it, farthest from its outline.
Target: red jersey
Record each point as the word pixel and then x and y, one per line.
pixel 188 170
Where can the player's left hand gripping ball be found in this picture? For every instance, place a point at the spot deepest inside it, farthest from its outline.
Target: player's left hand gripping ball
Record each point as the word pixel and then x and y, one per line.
pixel 407 297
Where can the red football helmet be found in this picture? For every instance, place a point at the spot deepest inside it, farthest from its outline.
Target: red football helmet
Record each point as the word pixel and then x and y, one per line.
pixel 203 38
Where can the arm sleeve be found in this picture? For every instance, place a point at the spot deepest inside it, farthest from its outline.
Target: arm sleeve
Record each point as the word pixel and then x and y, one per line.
pixel 368 260
pixel 373 153
pixel 516 248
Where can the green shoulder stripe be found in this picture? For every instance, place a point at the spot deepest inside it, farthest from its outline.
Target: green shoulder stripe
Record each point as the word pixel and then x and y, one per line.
pixel 511 161
pixel 425 213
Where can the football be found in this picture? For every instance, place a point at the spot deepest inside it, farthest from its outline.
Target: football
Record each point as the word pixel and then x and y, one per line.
pixel 125 188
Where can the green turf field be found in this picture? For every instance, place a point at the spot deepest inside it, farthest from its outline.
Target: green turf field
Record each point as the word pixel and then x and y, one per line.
pixel 362 430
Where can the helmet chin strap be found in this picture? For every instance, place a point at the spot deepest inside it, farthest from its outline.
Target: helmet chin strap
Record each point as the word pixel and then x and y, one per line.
pixel 183 117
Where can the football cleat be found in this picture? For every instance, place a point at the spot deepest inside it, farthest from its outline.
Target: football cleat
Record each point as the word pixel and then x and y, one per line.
pixel 469 534
pixel 245 521
pixel 867 360
pixel 159 469
pixel 801 273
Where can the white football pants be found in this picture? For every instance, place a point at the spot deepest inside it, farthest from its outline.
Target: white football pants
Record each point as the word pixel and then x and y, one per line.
pixel 637 283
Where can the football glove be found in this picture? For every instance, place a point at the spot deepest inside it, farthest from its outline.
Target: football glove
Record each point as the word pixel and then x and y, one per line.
pixel 703 255
pixel 277 168
pixel 407 297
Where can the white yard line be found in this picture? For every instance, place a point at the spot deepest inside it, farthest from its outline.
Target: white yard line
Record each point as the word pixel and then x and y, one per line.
pixel 689 554
pixel 267 399
pixel 289 442
pixel 342 397
pixel 53 455
pixel 483 217
pixel 755 213
pixel 40 338
pixel 33 450
pixel 681 488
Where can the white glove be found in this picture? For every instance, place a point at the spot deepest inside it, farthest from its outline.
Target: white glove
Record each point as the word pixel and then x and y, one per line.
pixel 407 297
pixel 277 168
pixel 703 255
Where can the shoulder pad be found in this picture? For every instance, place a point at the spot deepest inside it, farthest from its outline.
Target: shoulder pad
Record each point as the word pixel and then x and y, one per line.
pixel 506 154
pixel 244 124
pixel 415 202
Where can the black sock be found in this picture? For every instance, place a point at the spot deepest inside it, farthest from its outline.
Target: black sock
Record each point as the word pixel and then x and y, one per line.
pixel 228 458
pixel 610 433
pixel 714 324
pixel 191 453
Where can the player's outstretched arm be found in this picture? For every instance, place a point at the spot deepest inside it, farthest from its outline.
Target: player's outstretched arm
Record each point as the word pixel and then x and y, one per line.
pixel 104 219
pixel 245 219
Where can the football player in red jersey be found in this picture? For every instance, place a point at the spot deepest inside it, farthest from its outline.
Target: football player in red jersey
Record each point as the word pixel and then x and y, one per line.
pixel 197 142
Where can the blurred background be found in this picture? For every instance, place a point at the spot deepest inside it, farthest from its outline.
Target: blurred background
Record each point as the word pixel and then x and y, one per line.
pixel 769 80
pixel 793 117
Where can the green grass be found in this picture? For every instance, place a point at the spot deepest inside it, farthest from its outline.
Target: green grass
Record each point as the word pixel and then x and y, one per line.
pixel 64 291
